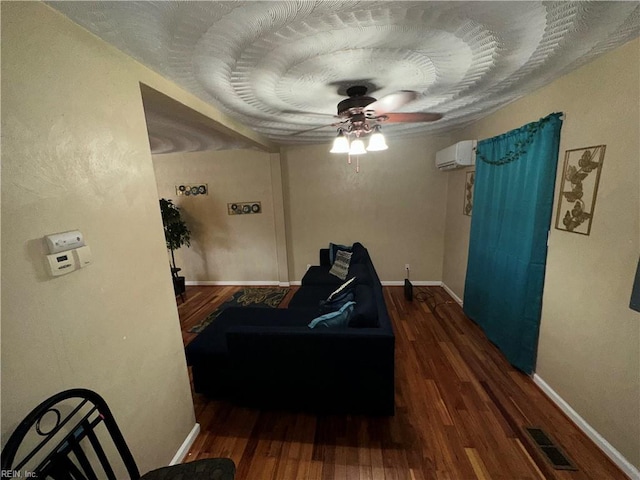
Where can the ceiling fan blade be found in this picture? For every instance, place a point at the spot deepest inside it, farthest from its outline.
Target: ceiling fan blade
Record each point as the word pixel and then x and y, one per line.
pixel 312 129
pixel 315 114
pixel 391 102
pixel 410 117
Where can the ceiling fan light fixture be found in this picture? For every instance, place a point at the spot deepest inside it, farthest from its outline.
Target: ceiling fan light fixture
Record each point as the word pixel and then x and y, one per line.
pixel 377 142
pixel 357 147
pixel 340 144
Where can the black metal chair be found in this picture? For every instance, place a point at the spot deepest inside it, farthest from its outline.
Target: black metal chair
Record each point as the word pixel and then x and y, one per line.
pixel 73 436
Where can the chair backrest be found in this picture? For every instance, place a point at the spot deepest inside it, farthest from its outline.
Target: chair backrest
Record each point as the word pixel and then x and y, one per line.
pixel 70 436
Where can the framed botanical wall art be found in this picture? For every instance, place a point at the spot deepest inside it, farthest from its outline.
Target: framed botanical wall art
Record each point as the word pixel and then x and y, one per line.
pixel 467 204
pixel 579 189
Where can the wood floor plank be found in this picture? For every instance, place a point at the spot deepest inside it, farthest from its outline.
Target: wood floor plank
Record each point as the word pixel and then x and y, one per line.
pixel 479 468
pixel 461 410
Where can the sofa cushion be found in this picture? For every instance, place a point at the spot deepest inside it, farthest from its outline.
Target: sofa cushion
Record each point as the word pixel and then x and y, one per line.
pixel 365 313
pixel 324 257
pixel 359 253
pixel 319 275
pixel 333 250
pixel 340 267
pixel 362 274
pixel 212 342
pixel 310 296
pixel 339 318
pixel 346 287
pixel 328 306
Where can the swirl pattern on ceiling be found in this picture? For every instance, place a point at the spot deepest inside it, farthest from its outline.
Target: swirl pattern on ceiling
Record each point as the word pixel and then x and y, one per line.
pixel 280 67
pixel 168 134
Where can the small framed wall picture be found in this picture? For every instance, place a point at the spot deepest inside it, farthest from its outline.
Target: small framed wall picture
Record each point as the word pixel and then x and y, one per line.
pixel 467 205
pixel 579 189
pixel 192 190
pixel 244 208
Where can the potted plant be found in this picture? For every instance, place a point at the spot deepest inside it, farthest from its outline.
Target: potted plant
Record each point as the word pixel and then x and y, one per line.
pixel 176 234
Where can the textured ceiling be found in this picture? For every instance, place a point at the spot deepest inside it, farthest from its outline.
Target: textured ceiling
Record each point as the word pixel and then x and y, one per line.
pixel 174 127
pixel 170 134
pixel 263 62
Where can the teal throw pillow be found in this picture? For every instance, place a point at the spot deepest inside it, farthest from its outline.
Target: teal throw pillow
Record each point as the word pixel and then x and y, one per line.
pixel 339 318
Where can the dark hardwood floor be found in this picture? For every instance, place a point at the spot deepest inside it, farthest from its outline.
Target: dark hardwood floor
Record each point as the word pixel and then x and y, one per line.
pixel 460 412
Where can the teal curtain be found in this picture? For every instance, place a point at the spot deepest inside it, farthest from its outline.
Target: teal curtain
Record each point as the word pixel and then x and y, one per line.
pixel 512 204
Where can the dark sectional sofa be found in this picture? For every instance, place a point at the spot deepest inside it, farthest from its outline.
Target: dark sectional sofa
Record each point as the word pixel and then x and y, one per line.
pixel 270 358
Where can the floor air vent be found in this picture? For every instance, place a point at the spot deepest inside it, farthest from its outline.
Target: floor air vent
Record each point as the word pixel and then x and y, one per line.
pixel 553 453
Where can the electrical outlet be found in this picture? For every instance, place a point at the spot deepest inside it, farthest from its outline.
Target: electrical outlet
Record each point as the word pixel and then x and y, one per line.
pixel 407 267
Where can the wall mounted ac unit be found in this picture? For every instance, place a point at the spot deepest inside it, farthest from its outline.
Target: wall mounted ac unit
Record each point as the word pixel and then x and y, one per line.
pixel 460 155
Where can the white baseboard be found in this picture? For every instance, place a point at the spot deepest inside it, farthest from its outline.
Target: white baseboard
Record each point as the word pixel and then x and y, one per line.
pixel 396 283
pixel 615 456
pixel 186 445
pixel 453 295
pixel 239 283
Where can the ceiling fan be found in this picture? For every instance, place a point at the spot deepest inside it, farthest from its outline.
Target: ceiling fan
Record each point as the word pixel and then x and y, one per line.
pixel 361 114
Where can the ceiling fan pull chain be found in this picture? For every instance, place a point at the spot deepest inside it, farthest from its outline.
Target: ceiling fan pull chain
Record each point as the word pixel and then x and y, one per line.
pixel 349 158
pixel 358 164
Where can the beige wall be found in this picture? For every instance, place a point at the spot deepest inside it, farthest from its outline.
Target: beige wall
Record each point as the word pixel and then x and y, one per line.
pixel 457 226
pixel 224 248
pixel 589 347
pixel 400 188
pixel 75 155
pixel 394 206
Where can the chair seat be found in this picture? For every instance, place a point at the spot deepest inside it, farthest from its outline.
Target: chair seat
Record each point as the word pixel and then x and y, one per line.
pixel 206 469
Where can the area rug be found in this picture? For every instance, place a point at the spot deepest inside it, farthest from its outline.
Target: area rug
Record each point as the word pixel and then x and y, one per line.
pixel 266 297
